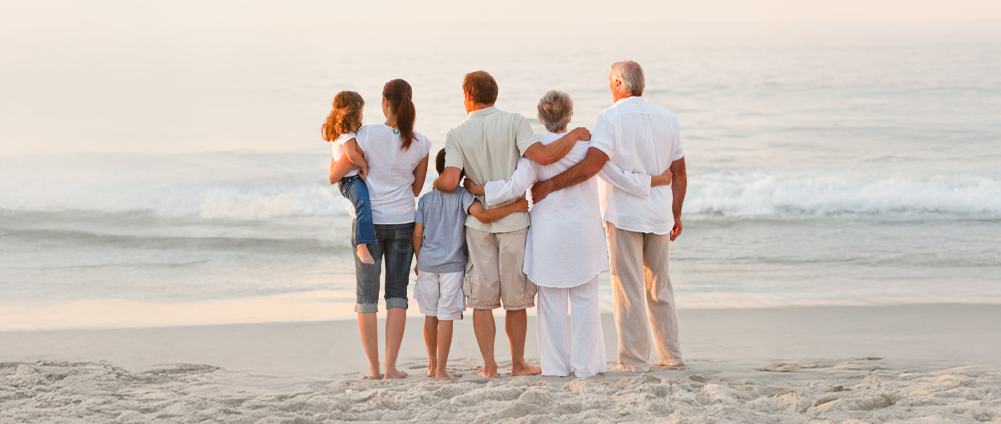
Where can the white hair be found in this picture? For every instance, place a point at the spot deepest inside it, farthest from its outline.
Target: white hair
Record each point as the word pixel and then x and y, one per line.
pixel 555 109
pixel 631 75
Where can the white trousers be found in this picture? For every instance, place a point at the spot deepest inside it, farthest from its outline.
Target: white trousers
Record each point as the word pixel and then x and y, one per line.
pixel 588 355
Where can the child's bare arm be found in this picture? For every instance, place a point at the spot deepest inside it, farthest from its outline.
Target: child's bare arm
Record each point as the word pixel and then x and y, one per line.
pixel 356 156
pixel 339 167
pixel 490 215
pixel 418 241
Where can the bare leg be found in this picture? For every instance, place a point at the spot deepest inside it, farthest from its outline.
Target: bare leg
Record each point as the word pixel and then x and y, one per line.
pixel 516 325
pixel 364 256
pixel 396 321
pixel 444 344
pixel 368 326
pixel 486 331
pixel 431 340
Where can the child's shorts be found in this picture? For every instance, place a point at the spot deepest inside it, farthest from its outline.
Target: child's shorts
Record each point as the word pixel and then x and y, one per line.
pixel 440 295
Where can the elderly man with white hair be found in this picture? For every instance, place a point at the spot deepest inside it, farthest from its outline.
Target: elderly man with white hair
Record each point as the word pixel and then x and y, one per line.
pixel 565 249
pixel 641 137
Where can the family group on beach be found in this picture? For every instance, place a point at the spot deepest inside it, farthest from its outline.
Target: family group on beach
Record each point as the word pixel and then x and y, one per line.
pixel 479 245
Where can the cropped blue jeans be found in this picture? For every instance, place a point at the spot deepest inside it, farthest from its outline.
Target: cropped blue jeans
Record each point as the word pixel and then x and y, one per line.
pixel 394 244
pixel 354 189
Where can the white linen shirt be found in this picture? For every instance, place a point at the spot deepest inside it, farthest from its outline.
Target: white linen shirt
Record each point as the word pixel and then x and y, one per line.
pixel 643 138
pixel 390 176
pixel 566 241
pixel 338 151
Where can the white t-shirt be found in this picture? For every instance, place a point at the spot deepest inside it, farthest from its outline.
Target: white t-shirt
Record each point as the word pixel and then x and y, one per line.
pixel 391 172
pixel 643 138
pixel 566 242
pixel 338 148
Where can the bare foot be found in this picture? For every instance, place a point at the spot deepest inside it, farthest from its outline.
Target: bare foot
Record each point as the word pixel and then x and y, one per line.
pixel 663 364
pixel 431 372
pixel 395 373
pixel 366 258
pixel 483 372
pixel 620 367
pixel 525 369
pixel 443 375
pixel 370 377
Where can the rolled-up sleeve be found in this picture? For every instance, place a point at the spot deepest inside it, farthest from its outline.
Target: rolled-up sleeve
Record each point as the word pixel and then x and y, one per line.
pixel 523 135
pixel 635 184
pixel 497 192
pixel 679 149
pixel 453 157
pixel 602 137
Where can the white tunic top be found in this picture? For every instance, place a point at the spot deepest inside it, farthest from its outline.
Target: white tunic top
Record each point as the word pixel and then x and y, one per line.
pixel 644 138
pixel 391 172
pixel 338 151
pixel 566 242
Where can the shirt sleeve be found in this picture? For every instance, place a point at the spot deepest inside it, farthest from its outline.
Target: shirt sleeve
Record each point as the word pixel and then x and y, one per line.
pixel 466 199
pixel 635 184
pixel 679 151
pixel 420 210
pixel 602 137
pixel 360 137
pixel 523 135
pixel 497 192
pixel 453 157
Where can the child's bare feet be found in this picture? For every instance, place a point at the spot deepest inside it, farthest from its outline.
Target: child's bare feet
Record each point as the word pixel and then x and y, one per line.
pixel 395 373
pixel 443 375
pixel 366 258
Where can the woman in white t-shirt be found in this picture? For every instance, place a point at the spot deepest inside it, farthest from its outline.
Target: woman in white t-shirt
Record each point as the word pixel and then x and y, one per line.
pixel 397 159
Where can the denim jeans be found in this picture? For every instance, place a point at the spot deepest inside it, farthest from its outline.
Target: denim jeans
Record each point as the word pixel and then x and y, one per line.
pixel 354 189
pixel 394 243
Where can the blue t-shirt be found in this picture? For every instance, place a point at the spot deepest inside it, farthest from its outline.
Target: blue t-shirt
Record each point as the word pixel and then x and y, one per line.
pixel 443 248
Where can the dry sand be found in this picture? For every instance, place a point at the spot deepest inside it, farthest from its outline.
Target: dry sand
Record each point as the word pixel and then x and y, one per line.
pixel 916 363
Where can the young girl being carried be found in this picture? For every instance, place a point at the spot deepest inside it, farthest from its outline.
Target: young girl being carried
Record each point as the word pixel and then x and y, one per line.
pixel 348 167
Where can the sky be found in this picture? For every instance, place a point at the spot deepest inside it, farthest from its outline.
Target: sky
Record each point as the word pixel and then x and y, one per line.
pixel 131 74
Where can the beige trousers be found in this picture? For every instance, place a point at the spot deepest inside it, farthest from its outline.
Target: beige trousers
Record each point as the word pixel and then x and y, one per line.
pixel 643 298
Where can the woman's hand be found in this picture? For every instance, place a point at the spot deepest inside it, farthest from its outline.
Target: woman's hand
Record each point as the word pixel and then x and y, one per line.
pixel 662 179
pixel 473 188
pixel 363 170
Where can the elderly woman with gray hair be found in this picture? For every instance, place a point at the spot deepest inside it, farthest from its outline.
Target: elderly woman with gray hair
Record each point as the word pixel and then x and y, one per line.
pixel 566 250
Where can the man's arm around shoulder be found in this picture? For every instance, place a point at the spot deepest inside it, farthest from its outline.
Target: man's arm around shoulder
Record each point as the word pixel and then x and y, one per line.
pixel 553 152
pixel 576 174
pixel 448 180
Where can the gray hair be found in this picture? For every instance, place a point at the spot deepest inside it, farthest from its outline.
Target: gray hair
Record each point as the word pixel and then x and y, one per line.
pixel 555 109
pixel 631 75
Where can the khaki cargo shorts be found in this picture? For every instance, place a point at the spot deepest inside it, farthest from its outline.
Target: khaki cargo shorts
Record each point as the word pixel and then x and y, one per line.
pixel 495 271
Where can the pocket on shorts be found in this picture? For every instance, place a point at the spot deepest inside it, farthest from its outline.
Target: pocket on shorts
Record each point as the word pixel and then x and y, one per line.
pixel 466 280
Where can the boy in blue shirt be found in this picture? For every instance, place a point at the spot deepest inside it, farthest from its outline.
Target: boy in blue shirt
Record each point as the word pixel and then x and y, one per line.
pixel 440 245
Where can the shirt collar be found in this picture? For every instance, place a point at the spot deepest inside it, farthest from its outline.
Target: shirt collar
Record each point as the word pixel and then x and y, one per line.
pixel 482 112
pixel 632 99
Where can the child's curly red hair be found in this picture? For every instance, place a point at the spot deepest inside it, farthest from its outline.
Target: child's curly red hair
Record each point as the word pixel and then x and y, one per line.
pixel 345 118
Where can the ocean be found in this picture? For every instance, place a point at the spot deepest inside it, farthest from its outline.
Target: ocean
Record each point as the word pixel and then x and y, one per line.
pixel 157 175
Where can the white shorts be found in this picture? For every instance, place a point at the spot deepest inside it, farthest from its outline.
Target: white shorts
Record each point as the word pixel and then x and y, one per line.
pixel 440 295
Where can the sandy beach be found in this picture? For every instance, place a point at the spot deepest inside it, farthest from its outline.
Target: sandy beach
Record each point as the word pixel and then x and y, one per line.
pixel 913 363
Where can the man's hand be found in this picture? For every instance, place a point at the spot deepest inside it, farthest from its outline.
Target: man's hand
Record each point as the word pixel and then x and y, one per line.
pixel 676 231
pixel 582 134
pixel 522 205
pixel 415 270
pixel 473 188
pixel 541 189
